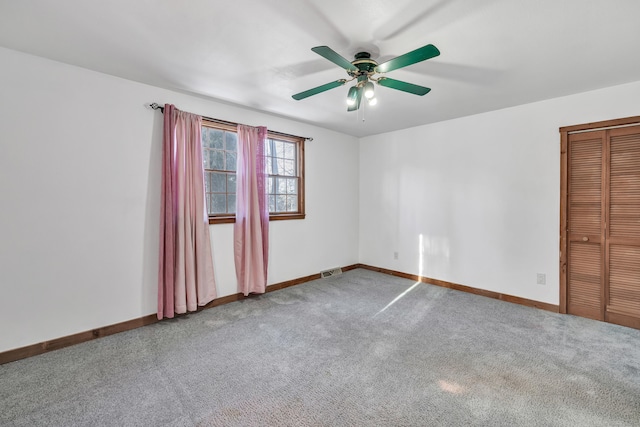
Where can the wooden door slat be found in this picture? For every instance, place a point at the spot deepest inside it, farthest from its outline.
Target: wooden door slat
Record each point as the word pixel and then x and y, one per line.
pixel 623 284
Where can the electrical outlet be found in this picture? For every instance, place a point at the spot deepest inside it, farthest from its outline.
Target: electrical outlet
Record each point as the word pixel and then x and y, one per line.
pixel 542 279
pixel 395 255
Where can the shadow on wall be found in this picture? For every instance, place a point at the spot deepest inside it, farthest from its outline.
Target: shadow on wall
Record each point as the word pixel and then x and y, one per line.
pixel 152 216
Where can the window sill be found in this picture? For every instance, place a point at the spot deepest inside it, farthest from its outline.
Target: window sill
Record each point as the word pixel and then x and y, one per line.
pixel 232 219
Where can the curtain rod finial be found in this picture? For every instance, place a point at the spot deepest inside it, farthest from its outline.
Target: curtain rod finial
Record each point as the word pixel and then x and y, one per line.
pixel 156 106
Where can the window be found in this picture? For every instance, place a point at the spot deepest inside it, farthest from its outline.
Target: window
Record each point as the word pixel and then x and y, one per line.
pixel 284 166
pixel 219 154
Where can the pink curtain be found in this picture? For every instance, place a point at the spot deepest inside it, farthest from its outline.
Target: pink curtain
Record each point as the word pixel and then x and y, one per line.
pixel 185 279
pixel 251 230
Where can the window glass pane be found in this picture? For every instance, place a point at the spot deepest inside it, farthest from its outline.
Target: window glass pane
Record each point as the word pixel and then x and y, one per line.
pixel 231 203
pixel 207 181
pixel 219 182
pixel 219 203
pixel 267 147
pixel 292 204
pixel 280 167
pixel 279 149
pixel 217 160
pixel 205 159
pixel 281 203
pixel 231 183
pixel 272 203
pixel 282 186
pixel 292 186
pixel 289 168
pixel 216 138
pixel 232 161
pixel 204 137
pixel 213 135
pixel 232 141
pixel 268 165
pixel 210 204
pixel 270 185
pixel 289 151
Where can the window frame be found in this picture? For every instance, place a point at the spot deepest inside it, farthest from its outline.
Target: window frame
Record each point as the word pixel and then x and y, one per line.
pixel 299 142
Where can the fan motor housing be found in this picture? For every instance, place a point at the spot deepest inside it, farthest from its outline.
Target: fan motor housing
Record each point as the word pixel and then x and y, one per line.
pixel 364 63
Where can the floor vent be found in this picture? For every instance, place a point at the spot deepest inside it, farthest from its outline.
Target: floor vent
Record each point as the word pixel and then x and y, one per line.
pixel 329 273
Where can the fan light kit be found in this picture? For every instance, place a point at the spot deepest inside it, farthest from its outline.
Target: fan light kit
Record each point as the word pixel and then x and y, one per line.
pixel 363 69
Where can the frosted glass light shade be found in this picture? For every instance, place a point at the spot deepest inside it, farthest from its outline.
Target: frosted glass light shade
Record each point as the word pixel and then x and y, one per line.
pixel 368 90
pixel 351 96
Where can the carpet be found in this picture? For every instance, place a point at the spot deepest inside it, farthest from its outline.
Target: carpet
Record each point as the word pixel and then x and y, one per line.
pixel 358 349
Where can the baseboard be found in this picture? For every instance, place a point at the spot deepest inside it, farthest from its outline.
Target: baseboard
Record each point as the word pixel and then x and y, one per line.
pixel 490 294
pixel 58 343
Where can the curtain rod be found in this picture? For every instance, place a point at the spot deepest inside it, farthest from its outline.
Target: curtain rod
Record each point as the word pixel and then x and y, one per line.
pixel 157 106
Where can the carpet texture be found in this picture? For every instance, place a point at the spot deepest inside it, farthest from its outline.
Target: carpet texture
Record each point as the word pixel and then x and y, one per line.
pixel 340 352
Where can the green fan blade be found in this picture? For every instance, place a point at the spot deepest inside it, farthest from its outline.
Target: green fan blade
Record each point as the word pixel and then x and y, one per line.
pixel 331 55
pixel 355 106
pixel 413 57
pixel 403 86
pixel 319 89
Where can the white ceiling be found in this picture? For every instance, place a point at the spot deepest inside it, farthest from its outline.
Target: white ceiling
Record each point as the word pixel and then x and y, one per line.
pixel 256 53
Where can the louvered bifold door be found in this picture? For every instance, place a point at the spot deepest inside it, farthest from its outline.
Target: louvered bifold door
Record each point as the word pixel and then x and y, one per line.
pixel 622 297
pixel 585 225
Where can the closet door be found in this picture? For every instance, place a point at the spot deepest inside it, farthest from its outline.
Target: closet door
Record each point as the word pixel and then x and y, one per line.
pixel 585 224
pixel 623 232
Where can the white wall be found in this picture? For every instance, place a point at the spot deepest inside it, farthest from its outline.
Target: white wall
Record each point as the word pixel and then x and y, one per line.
pixel 482 191
pixel 80 182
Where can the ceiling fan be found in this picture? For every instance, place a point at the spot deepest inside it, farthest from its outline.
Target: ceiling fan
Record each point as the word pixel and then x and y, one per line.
pixel 363 69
